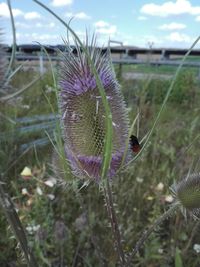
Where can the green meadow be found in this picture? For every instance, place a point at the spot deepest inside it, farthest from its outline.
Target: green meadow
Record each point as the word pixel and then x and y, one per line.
pixel 67 223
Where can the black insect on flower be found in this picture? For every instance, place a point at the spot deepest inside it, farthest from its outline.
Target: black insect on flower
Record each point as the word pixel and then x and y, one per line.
pixel 134 144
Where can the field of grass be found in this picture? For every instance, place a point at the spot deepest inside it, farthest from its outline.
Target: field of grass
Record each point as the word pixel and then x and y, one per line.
pixel 67 226
pixel 162 69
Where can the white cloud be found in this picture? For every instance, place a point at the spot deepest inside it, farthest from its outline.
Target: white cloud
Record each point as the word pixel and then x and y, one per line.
pixel 108 30
pixel 58 3
pixel 51 25
pixel 47 25
pixel 46 38
pixel 32 15
pixel 79 15
pixel 151 40
pixel 22 25
pixel 172 26
pixel 82 15
pixel 142 18
pixel 38 25
pixel 4 11
pixel 101 23
pixel 69 14
pixel 170 8
pixel 141 40
pixel 179 37
pixel 32 37
pixel 104 27
pixel 197 18
pixel 17 12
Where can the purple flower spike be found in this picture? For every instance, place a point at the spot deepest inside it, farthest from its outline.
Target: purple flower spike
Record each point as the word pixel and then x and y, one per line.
pixel 83 114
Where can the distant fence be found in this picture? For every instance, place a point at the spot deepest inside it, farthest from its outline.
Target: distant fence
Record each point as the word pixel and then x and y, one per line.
pixel 131 51
pixel 42 126
pixel 122 60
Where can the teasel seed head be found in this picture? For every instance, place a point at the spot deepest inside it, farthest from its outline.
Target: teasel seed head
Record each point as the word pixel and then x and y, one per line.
pixel 83 115
pixel 187 193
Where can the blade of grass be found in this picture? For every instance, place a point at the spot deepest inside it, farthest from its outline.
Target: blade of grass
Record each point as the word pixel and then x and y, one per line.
pixel 12 59
pixel 50 62
pixel 13 73
pixel 8 97
pixel 58 146
pixel 145 235
pixel 15 223
pixel 7 118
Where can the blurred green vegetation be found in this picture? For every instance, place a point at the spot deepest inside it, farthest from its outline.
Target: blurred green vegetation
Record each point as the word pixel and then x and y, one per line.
pixel 69 227
pixel 158 69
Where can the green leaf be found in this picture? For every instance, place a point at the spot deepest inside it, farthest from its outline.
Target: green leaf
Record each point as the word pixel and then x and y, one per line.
pixel 178 259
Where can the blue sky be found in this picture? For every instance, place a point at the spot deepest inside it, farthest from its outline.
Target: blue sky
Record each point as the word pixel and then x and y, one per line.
pixel 173 23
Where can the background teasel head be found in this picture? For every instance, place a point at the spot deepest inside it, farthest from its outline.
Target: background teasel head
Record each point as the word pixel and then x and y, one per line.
pixel 83 114
pixel 187 193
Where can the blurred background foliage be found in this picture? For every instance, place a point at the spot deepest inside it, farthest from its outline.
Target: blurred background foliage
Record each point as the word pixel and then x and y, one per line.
pixel 69 227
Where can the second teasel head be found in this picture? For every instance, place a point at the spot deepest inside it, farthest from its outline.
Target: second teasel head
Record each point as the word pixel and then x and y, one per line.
pixel 83 114
pixel 187 193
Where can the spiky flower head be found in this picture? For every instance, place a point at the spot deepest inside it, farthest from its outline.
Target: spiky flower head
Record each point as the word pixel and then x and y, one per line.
pixel 83 113
pixel 187 193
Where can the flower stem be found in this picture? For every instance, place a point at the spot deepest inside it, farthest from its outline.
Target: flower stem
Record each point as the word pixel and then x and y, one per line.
pixel 150 230
pixel 114 223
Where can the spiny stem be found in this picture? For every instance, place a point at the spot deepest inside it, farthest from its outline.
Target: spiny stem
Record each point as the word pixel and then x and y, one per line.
pixel 150 230
pixel 113 220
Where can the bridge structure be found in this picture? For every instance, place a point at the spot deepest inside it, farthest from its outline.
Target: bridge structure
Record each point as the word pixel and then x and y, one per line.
pixel 124 51
pixel 120 55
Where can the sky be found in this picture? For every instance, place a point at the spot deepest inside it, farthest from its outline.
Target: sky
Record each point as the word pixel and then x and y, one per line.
pixel 141 23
